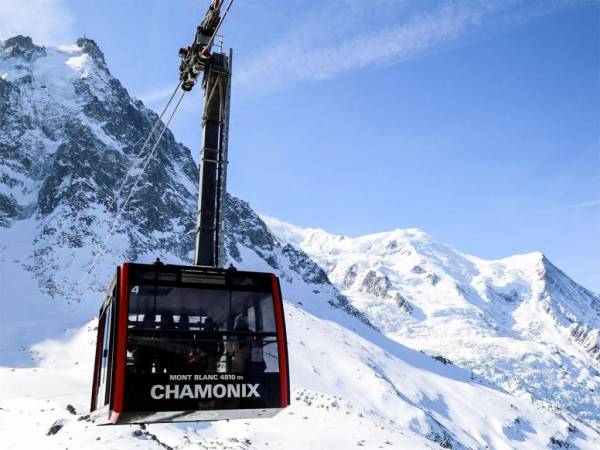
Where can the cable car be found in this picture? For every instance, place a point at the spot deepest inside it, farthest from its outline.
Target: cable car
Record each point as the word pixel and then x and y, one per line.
pixel 189 343
pixel 193 343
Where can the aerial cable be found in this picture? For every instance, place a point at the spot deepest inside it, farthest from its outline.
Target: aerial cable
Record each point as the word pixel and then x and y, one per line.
pixel 149 158
pixel 139 154
pixel 134 163
pixel 132 190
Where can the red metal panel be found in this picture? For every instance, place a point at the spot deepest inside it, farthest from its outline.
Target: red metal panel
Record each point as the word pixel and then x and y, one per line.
pixel 281 343
pixel 121 343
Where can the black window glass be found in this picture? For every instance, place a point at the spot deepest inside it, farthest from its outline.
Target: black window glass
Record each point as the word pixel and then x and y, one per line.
pixel 252 311
pixel 174 329
pixel 152 307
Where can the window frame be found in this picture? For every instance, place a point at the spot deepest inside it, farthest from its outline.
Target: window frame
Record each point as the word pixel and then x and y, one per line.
pixel 105 341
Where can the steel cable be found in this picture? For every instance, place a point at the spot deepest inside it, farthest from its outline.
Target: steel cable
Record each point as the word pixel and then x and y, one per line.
pixel 131 192
pixel 137 157
pixel 212 38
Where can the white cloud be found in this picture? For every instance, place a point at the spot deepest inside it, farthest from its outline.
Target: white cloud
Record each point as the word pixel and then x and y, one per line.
pixel 156 95
pixel 584 204
pixel 157 98
pixel 46 21
pixel 309 53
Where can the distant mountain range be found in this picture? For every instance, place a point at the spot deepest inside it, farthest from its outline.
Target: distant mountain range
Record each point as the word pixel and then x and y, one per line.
pixel 519 321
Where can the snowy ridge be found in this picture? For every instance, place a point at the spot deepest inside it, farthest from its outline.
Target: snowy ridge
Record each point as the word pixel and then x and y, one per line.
pixel 518 321
pixel 64 149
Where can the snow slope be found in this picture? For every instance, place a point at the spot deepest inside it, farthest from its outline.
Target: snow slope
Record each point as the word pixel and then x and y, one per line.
pixel 352 388
pixel 519 321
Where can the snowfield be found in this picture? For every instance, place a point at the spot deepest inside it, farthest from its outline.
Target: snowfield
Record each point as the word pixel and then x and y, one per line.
pixel 352 388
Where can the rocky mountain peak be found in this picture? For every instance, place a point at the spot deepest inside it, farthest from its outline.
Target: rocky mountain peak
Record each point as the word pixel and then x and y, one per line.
pixel 69 134
pixel 21 46
pixel 90 47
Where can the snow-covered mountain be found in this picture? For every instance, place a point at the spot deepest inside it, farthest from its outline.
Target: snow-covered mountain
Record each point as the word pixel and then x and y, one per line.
pixel 68 133
pixel 519 322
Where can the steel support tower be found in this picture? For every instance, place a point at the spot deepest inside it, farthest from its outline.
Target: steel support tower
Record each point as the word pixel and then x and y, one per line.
pixel 215 68
pixel 213 165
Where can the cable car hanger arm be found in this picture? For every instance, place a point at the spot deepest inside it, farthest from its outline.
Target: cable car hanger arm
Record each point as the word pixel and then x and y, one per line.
pixel 195 57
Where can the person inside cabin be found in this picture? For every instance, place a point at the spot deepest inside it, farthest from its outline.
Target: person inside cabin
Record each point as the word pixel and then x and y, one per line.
pixel 205 353
pixel 189 357
pixel 238 348
pixel 167 358
pixel 144 356
pixel 184 323
pixel 256 363
pixel 212 345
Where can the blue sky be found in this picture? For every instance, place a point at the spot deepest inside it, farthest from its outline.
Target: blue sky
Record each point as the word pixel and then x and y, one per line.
pixel 478 122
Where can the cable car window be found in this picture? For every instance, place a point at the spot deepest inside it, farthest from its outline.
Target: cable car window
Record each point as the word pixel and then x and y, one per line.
pixel 105 323
pixel 181 330
pixel 252 311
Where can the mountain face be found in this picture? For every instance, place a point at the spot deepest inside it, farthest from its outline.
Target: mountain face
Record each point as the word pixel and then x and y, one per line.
pixel 519 322
pixel 69 133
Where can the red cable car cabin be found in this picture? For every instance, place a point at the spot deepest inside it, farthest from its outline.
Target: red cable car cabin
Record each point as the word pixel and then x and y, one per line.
pixel 180 344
